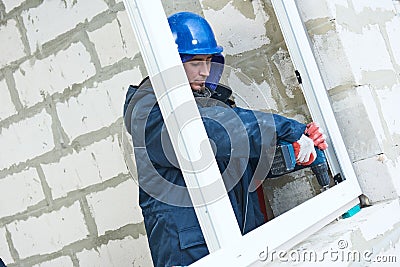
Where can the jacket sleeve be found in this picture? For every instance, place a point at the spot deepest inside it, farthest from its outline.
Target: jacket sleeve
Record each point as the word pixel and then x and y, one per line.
pixel 233 132
pixel 243 133
pixel 284 128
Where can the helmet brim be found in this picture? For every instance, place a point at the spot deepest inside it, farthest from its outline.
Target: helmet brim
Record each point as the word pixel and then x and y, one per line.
pixel 203 51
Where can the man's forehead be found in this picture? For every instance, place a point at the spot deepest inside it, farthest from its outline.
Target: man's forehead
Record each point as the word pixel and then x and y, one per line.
pixel 201 57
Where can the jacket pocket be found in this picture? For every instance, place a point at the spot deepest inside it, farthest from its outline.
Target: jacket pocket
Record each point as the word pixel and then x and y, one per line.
pixel 190 237
pixel 192 245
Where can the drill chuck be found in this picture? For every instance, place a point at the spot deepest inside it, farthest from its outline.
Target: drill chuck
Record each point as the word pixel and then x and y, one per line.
pixel 321 172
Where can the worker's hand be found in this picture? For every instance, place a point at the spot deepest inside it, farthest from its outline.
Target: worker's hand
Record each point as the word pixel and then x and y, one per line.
pixel 304 150
pixel 317 135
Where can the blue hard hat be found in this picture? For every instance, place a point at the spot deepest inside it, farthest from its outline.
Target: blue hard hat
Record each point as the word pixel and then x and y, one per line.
pixel 193 34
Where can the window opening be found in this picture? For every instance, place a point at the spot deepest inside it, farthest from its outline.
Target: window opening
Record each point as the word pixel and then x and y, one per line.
pixel 226 245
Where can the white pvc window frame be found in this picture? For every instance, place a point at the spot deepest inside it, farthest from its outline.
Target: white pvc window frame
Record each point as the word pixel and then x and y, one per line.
pixel 227 247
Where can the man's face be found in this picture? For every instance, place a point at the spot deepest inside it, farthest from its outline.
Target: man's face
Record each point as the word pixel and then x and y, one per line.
pixel 197 70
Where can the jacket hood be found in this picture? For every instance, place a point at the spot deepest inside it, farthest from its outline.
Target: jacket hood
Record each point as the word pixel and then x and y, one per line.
pixel 145 90
pixel 134 93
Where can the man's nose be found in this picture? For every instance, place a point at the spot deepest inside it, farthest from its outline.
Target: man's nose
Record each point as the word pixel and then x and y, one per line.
pixel 205 69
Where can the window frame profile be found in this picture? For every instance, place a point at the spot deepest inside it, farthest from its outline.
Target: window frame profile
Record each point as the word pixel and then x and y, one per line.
pixel 226 245
pixel 295 225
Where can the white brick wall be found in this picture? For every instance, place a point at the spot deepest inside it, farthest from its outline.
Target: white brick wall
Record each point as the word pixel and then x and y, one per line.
pixel 80 114
pixel 49 232
pixel 313 9
pixel 337 4
pixel 371 38
pixel 59 262
pixel 29 192
pixel 234 36
pixel 330 55
pixel 245 94
pixel 91 165
pixel 7 108
pixel 360 6
pixel 393 31
pixel 355 241
pixel 107 217
pixel 375 177
pixel 53 74
pixel 4 250
pixel 11 45
pixel 115 40
pixel 108 43
pixel 389 101
pixel 375 215
pixel 10 4
pixel 33 31
pixel 127 252
pixel 26 139
pixel 55 17
pixel 366 95
pixel 128 36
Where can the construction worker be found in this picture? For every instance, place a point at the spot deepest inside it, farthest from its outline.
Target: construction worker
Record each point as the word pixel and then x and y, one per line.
pixel 243 141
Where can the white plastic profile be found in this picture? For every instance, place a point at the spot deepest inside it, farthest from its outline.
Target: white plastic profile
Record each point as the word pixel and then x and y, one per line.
pixel 183 123
pixel 290 228
pixel 226 245
pixel 303 59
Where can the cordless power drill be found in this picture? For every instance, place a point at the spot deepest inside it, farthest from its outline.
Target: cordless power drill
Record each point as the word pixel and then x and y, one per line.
pixel 285 162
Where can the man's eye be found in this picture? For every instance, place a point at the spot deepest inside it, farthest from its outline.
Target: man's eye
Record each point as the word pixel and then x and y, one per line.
pixel 195 63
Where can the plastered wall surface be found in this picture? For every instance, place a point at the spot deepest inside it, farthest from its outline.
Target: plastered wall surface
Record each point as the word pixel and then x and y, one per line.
pixel 361 240
pixel 67 190
pixel 356 44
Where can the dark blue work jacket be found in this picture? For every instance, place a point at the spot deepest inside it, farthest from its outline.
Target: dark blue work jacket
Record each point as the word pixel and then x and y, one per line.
pixel 242 141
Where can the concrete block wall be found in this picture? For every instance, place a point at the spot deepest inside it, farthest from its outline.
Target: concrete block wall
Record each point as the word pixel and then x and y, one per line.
pixel 67 197
pixel 356 44
pixel 67 190
pixel 361 240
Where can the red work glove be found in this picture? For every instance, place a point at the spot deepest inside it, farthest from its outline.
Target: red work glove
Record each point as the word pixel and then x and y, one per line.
pixel 317 135
pixel 304 150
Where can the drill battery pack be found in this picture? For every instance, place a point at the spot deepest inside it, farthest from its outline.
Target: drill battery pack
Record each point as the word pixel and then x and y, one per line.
pixel 284 160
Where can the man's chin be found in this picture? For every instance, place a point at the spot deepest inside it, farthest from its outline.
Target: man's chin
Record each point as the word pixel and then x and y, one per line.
pixel 198 89
pixel 203 92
